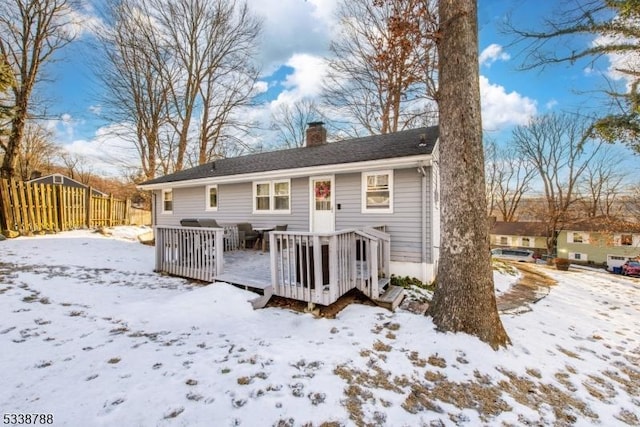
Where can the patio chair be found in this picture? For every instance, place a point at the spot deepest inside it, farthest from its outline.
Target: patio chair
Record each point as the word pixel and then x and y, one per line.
pixel 265 240
pixel 247 234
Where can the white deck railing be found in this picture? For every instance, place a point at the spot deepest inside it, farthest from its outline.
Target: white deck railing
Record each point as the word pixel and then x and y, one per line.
pixel 321 267
pixel 192 252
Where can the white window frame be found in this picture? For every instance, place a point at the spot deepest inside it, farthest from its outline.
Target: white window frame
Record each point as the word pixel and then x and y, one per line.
pixel 507 241
pixel 58 179
pixel 272 203
pixel 164 191
pixel 581 256
pixel 363 192
pixel 529 243
pixel 618 239
pixel 207 198
pixel 584 236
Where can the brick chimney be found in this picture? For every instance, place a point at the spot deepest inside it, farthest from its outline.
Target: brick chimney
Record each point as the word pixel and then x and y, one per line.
pixel 316 134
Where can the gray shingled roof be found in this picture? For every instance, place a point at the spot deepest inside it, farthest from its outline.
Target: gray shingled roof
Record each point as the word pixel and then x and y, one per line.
pixel 519 228
pixel 376 147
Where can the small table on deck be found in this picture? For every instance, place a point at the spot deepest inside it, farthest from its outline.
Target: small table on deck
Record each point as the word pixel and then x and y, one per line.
pixel 260 240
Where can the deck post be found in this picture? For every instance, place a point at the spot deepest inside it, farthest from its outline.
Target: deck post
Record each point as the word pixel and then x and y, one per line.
pixel 373 268
pixel 159 235
pixel 386 247
pixel 317 286
pixel 273 255
pixel 219 251
pixel 333 268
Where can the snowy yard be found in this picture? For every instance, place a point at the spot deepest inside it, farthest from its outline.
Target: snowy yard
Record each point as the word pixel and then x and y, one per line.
pixel 90 334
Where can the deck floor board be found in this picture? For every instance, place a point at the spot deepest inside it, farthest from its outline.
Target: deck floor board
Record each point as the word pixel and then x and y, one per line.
pixel 246 267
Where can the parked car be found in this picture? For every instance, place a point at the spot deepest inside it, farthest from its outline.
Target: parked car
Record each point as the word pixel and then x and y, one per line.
pixel 520 255
pixel 631 268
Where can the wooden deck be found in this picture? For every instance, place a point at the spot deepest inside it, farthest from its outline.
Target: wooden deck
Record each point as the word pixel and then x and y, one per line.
pixel 314 267
pixel 247 268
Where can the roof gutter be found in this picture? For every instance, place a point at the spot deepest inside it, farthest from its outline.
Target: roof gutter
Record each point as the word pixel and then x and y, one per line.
pixel 396 162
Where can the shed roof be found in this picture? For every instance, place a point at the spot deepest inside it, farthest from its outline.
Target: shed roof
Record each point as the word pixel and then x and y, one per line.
pixel 375 147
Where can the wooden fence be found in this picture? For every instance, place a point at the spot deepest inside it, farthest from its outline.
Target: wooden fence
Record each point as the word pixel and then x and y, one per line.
pixel 27 208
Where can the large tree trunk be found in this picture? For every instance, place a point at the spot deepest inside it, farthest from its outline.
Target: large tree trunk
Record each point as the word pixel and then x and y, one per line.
pixel 8 169
pixel 464 299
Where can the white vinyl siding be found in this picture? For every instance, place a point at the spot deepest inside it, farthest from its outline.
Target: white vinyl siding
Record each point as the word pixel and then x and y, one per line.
pixel 211 198
pixel 167 201
pixel 235 204
pixel 377 192
pixel 577 256
pixel 405 222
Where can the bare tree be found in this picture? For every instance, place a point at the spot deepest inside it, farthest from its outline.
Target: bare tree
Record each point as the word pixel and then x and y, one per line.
pixel 188 69
pixel 614 27
pixel 31 31
pixel 37 151
pixel 6 108
pixel 601 185
pixel 212 43
pixel 631 203
pixel 514 174
pixel 491 174
pixel 135 96
pixel 382 74
pixel 464 299
pixel 290 122
pixel 557 146
pixel 77 167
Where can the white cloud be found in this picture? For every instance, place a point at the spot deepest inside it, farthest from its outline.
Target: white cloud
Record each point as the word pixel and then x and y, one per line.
pixel 501 109
pixel 95 109
pixel 308 72
pixel 64 127
pixel 629 60
pixel 260 87
pixel 292 26
pixel 549 105
pixel 83 19
pixel 108 152
pixel 493 53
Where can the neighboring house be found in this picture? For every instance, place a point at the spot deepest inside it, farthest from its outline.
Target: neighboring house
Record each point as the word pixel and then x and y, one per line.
pixel 388 180
pixel 65 181
pixel 600 240
pixel 525 235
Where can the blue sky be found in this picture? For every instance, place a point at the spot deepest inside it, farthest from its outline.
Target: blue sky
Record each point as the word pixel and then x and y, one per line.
pixel 296 37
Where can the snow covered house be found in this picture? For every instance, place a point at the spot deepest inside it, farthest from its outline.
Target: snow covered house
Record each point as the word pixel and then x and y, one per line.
pixel 381 190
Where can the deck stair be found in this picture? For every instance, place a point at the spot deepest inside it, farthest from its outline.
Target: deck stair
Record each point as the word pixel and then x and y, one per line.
pixel 390 295
pixel 262 300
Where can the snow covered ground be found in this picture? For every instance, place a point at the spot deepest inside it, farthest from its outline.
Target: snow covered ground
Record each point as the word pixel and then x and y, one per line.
pixel 90 334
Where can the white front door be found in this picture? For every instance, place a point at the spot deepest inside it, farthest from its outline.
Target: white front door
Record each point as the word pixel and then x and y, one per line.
pixel 322 201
